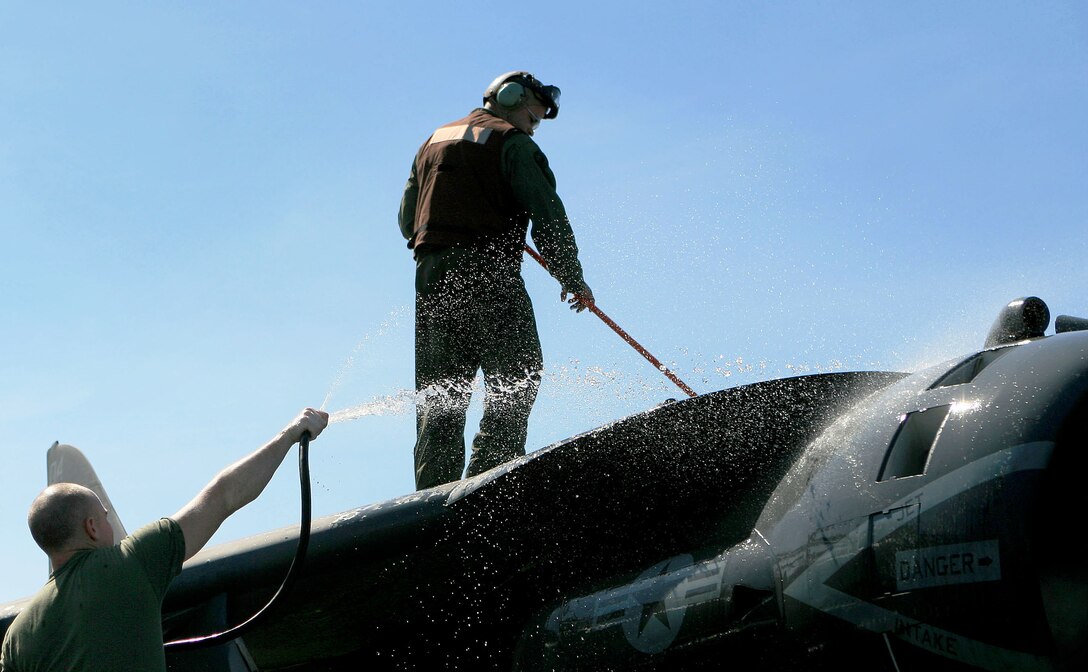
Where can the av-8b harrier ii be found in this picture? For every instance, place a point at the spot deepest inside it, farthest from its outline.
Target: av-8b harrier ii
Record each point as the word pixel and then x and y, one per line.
pixel 855 520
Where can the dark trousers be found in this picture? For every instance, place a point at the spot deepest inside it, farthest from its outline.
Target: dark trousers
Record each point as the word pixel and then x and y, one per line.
pixel 472 313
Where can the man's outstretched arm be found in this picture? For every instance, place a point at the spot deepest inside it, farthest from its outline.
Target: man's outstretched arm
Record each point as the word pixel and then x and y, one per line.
pixel 241 483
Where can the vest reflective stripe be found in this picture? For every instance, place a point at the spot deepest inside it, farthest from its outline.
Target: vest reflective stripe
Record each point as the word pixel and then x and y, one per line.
pixel 464 199
pixel 476 134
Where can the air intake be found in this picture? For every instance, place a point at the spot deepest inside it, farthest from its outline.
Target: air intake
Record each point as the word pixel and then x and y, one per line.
pixel 1020 320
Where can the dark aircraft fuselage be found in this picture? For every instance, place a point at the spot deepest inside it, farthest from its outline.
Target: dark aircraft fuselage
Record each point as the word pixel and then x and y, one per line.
pixel 864 520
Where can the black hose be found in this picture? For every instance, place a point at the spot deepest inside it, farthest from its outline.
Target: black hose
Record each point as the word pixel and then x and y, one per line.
pixel 292 572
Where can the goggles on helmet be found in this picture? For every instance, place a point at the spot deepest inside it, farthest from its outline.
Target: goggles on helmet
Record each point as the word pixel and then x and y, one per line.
pixel 549 95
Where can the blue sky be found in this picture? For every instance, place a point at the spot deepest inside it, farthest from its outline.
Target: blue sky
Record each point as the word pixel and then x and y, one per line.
pixel 199 214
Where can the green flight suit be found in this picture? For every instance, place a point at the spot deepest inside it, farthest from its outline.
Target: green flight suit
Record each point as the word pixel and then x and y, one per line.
pixel 472 312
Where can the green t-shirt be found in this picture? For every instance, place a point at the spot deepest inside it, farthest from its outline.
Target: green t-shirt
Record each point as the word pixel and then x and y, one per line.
pixel 102 610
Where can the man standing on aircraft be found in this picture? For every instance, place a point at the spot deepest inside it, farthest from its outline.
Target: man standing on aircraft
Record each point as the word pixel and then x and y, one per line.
pixel 101 609
pixel 473 188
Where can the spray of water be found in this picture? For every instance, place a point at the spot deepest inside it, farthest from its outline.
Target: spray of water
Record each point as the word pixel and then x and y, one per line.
pixel 398 403
pixel 594 393
pixel 405 401
pixel 447 394
pixel 593 389
pixel 390 322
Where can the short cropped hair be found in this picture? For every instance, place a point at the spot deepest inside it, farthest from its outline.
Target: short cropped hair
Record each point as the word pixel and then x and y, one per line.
pixel 57 514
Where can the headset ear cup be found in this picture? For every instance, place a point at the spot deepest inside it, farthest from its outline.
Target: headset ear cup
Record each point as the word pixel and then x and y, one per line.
pixel 510 94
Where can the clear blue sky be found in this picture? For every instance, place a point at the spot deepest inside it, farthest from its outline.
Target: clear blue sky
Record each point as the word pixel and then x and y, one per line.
pixel 199 200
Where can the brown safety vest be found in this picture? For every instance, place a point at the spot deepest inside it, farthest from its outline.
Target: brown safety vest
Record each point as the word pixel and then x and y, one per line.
pixel 464 200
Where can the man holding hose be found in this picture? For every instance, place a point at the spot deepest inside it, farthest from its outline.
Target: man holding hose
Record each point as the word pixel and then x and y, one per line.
pixel 101 609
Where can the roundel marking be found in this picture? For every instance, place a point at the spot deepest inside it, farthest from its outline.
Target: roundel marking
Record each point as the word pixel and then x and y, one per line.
pixel 654 615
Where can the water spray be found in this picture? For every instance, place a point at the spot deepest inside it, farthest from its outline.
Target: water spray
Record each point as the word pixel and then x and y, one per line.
pixel 304 479
pixel 622 334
